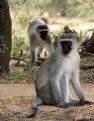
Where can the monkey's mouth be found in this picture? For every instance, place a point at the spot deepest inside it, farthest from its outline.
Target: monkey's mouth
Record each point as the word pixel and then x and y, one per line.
pixel 66 47
pixel 66 51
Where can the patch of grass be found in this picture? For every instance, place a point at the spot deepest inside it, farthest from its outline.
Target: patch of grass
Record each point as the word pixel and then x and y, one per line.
pixel 23 20
pixel 85 12
pixel 75 3
pixel 18 45
pixel 82 9
pixel 19 75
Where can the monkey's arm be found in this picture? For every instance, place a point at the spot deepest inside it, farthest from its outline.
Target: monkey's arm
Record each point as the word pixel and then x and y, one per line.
pixel 76 86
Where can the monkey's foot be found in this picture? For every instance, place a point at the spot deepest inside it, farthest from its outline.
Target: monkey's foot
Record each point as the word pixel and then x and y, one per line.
pixel 81 103
pixel 64 105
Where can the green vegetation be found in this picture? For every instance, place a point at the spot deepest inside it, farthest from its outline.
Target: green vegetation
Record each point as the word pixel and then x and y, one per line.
pixel 38 7
pixel 82 9
pixel 18 45
pixel 19 75
pixel 23 11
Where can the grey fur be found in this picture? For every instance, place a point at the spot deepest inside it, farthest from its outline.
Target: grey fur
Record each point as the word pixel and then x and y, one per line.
pixel 36 42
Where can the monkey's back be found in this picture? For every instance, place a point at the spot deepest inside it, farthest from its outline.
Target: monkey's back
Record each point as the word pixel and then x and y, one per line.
pixel 34 23
pixel 42 84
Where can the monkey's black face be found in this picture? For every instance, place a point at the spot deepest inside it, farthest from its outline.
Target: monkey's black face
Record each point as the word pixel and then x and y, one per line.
pixel 66 47
pixel 43 34
pixel 43 30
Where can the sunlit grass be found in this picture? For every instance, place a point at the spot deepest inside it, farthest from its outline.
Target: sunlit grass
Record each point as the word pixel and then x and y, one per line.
pixel 19 75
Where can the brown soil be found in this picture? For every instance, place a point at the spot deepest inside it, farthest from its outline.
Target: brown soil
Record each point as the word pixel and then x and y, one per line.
pixel 16 99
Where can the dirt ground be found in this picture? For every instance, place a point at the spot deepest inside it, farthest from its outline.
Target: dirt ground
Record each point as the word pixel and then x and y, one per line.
pixel 16 99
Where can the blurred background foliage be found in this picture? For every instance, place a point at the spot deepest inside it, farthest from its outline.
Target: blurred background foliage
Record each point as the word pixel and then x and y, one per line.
pixel 23 11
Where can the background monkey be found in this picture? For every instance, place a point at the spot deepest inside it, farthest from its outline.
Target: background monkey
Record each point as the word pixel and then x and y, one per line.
pixel 52 82
pixel 39 37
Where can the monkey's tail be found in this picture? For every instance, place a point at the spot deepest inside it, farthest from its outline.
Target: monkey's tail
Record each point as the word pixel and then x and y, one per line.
pixel 88 102
pixel 36 110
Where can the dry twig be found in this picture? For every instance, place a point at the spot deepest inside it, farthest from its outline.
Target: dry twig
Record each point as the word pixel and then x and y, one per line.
pixel 84 118
pixel 87 66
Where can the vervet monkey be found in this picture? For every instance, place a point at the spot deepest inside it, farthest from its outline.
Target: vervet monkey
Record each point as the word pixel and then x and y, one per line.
pixel 86 39
pixel 55 74
pixel 84 43
pixel 39 37
pixel 56 43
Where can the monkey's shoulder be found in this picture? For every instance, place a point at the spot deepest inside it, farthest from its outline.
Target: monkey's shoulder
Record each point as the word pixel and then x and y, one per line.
pixel 55 57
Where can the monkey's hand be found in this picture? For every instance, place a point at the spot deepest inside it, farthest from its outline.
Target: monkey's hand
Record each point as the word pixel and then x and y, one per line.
pixel 85 102
pixel 82 102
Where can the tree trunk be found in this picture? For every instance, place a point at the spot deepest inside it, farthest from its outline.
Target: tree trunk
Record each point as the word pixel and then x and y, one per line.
pixel 5 36
pixel 90 44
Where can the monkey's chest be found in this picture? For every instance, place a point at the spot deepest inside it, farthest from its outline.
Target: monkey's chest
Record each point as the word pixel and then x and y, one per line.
pixel 70 65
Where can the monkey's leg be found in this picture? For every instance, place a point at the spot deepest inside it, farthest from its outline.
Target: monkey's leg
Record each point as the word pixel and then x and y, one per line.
pixel 38 101
pixel 32 55
pixel 72 101
pixel 37 52
pixel 66 94
pixel 54 80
